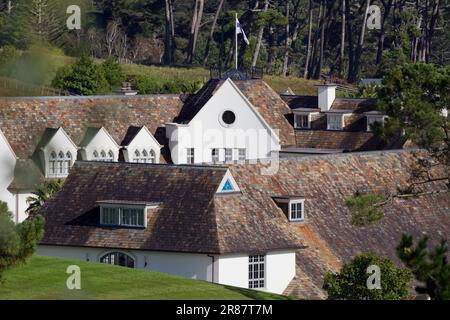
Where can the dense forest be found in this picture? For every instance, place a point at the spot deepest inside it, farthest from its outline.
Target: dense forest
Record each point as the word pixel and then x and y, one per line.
pixel 304 38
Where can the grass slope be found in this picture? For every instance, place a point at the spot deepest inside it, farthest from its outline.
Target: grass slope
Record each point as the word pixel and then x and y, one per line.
pixel 45 278
pixel 280 84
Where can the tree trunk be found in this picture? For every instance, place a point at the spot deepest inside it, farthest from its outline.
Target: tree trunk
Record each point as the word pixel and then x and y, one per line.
pixel 260 36
pixel 195 27
pixel 169 40
pixel 211 33
pixel 288 43
pixel 322 40
pixel 431 29
pixel 308 50
pixel 387 8
pixel 355 71
pixel 342 51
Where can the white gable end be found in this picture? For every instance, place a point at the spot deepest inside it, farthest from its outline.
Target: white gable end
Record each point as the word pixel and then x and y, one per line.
pixel 143 146
pixel 101 147
pixel 7 165
pixel 227 128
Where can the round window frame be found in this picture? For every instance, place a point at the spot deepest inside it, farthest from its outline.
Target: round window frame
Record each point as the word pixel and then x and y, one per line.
pixel 223 123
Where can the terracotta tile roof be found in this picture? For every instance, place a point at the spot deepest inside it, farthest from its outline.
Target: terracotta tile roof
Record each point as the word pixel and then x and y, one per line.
pixel 340 140
pixel 76 114
pixel 352 104
pixel 190 217
pixel 326 182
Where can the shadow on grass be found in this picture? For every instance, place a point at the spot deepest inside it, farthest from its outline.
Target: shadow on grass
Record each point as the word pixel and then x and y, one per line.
pixel 258 295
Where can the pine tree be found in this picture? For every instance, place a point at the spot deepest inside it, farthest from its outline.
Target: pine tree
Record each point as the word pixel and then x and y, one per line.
pixel 431 268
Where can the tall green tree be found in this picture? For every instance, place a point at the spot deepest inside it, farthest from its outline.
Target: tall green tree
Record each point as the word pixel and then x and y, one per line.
pixel 431 268
pixel 415 97
pixel 17 241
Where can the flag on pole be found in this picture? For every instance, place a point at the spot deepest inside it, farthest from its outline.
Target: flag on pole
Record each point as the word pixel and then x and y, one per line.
pixel 240 30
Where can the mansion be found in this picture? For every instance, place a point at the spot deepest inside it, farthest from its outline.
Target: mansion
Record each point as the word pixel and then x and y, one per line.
pixel 180 183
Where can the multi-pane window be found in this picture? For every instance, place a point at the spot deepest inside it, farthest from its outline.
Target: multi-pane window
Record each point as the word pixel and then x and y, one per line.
pixel 241 154
pixel 215 155
pixel 301 121
pixel 123 216
pixel 296 210
pixel 144 156
pixel 118 258
pixel 103 156
pixel 190 156
pixel 228 154
pixel 334 122
pixel 256 271
pixel 59 164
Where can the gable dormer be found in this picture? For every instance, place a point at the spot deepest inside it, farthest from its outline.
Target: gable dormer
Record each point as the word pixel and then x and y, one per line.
pixel 140 146
pixel 293 207
pixel 98 145
pixel 55 153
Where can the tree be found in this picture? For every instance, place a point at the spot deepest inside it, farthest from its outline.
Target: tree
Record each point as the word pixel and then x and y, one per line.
pixel 113 72
pixel 430 268
pixel 43 194
pixel 351 283
pixel 415 98
pixel 195 27
pixel 82 78
pixel 17 241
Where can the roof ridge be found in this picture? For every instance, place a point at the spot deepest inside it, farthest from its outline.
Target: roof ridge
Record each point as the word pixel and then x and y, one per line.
pixel 181 166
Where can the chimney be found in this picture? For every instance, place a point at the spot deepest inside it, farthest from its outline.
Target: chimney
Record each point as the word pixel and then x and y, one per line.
pixel 326 93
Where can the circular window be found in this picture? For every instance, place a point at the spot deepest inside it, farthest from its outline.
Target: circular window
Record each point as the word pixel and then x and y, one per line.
pixel 228 117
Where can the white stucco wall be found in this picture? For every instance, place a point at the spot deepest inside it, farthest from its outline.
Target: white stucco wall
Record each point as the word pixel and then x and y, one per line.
pixel 228 269
pixel 194 266
pixel 280 270
pixel 7 165
pixel 207 131
pixel 102 141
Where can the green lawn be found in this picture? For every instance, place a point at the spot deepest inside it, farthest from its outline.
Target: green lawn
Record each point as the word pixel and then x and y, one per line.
pixel 45 278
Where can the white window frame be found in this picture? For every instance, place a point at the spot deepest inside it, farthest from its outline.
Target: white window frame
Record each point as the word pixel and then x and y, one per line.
pixel 190 155
pixel 336 125
pixel 59 164
pixel 120 216
pixel 297 123
pixel 255 280
pixel 296 202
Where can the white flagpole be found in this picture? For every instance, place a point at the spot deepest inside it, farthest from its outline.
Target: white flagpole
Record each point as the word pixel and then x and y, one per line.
pixel 235 39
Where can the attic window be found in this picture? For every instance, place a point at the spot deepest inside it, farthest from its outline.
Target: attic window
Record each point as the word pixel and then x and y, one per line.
pixel 372 119
pixel 59 164
pixel 301 121
pixel 335 121
pixel 126 216
pixel 296 210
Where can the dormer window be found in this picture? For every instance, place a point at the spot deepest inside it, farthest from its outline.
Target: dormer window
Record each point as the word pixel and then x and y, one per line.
pixel 103 156
pixel 59 164
pixel 301 121
pixel 292 206
pixel 296 210
pixel 144 156
pixel 123 216
pixel 335 121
